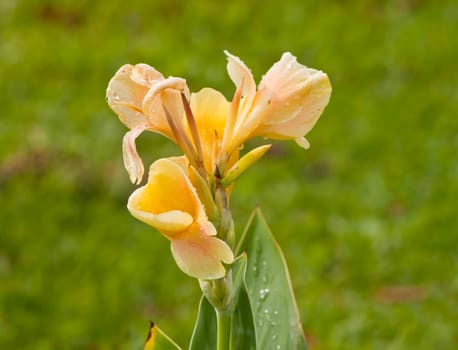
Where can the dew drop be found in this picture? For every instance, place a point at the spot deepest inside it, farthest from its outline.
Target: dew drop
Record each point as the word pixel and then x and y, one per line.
pixel 263 293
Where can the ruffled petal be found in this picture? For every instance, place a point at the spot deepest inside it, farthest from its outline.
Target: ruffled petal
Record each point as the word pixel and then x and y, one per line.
pixel 201 256
pixel 297 97
pixel 126 90
pixel 132 161
pixel 165 93
pixel 171 221
pixel 168 195
pixel 145 75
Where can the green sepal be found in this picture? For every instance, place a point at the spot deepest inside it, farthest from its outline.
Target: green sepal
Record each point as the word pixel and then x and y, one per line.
pixel 158 340
pixel 275 313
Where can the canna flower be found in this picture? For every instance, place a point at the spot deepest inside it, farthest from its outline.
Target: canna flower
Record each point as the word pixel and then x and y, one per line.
pixel 286 105
pixel 169 203
pixel 133 95
pixel 210 130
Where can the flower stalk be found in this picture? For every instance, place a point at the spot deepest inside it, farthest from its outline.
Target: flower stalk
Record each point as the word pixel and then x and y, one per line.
pixel 223 326
pixel 220 294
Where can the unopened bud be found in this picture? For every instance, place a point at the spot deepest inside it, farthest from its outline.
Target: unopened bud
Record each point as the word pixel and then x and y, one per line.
pixel 243 164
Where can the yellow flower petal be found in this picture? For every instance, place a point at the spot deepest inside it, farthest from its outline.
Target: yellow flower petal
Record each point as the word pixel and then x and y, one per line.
pixel 210 109
pixel 168 189
pixel 169 203
pixel 172 221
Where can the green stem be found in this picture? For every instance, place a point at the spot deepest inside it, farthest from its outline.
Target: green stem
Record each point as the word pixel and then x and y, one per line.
pixel 223 329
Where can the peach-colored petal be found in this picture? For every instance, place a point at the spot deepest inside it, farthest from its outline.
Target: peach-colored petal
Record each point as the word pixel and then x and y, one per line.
pixel 201 256
pixel 247 125
pixel 165 93
pixel 297 97
pixel 241 74
pixel 302 142
pixel 132 161
pixel 173 83
pixel 145 75
pixel 126 90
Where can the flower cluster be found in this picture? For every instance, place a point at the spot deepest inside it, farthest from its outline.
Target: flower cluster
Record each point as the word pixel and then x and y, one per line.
pixel 186 198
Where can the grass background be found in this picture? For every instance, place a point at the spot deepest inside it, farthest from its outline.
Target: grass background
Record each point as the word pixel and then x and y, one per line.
pixel 367 217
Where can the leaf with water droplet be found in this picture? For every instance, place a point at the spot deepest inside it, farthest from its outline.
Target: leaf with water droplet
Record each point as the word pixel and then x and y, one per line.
pixel 263 293
pixel 272 292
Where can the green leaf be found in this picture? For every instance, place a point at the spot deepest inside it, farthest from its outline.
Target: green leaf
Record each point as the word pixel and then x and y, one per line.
pixel 242 324
pixel 158 340
pixel 204 334
pixel 276 317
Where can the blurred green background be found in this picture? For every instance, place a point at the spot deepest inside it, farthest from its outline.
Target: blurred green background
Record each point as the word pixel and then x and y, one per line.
pixel 367 217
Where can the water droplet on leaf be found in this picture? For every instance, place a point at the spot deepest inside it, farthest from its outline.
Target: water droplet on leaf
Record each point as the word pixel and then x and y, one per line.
pixel 263 293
